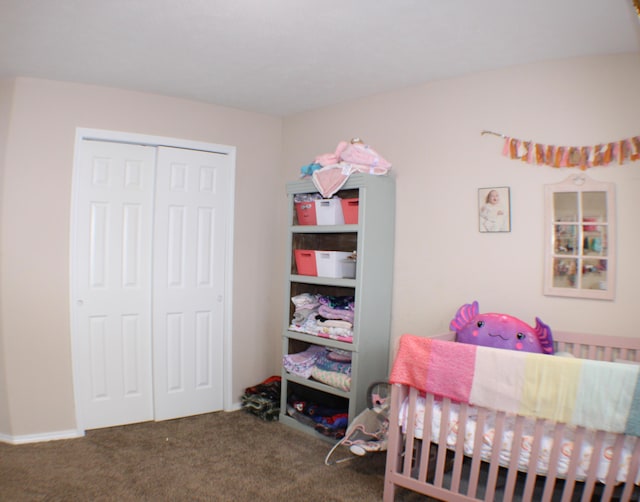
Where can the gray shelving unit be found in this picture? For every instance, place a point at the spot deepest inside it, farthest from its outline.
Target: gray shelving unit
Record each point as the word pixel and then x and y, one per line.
pixel 373 239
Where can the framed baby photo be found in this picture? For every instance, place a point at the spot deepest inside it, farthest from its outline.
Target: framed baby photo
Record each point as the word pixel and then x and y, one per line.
pixel 494 209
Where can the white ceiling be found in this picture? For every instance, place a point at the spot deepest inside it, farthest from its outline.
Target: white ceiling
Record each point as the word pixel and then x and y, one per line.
pixel 286 56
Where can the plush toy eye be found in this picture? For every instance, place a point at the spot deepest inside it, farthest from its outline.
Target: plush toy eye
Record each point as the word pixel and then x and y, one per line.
pixel 520 336
pixel 480 324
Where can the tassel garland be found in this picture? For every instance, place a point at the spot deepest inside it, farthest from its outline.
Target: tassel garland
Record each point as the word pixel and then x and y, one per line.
pixel 583 157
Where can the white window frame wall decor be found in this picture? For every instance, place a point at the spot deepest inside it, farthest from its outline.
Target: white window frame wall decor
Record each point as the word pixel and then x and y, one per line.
pixel 580 238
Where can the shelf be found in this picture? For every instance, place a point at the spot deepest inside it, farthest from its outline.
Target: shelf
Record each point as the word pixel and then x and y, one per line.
pixel 319 340
pixel 319 229
pixel 293 423
pixel 323 281
pixel 313 384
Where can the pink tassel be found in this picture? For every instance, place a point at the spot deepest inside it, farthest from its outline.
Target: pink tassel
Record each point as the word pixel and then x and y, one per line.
pixel 532 150
pixel 505 148
pixel 565 158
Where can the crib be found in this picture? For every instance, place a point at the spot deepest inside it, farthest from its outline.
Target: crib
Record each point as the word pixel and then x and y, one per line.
pixel 448 449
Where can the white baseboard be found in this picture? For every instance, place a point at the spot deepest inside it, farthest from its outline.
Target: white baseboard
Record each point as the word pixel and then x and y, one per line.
pixel 235 406
pixel 38 438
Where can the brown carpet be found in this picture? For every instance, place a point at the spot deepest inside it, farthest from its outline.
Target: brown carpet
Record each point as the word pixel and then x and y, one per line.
pixel 215 457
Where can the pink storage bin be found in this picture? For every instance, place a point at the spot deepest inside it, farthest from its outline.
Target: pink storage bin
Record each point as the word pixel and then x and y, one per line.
pixel 306 212
pixel 350 211
pixel 306 261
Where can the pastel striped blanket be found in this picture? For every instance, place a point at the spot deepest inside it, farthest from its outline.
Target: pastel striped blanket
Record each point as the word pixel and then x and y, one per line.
pixel 594 394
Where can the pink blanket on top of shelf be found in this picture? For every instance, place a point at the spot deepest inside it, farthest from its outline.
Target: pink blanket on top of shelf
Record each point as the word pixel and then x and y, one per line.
pixel 595 394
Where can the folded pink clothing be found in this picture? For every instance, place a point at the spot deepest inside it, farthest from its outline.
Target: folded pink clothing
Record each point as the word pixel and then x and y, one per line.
pixel 348 158
pixel 326 159
pixel 330 179
pixel 364 155
pixel 377 170
pixel 339 314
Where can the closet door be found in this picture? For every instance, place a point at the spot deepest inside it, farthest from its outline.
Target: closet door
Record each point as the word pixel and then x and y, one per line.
pixel 111 278
pixel 189 278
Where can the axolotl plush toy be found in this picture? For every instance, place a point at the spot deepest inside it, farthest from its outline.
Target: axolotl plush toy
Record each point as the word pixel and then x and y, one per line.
pixel 500 331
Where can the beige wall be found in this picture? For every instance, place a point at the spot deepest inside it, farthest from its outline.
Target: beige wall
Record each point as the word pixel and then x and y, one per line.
pixel 431 134
pixel 34 278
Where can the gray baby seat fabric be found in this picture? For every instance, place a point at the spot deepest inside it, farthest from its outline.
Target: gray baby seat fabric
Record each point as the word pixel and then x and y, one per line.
pixel 368 431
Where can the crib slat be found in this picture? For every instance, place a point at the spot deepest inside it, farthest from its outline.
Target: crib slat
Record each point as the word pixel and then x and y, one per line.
pixel 426 438
pixel 476 455
pixel 532 468
pixel 592 472
pixel 570 480
pixel 516 446
pixel 633 471
pixel 551 476
pixel 613 467
pixel 494 459
pixel 411 427
pixel 442 442
pixel 459 451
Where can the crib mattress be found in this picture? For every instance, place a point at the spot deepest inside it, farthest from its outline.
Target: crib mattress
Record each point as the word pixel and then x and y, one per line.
pixel 506 441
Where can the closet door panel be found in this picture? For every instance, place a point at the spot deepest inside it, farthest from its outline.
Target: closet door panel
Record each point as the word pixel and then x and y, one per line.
pixel 111 308
pixel 189 281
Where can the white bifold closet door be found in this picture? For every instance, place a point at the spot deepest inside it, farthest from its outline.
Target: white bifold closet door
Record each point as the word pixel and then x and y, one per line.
pixel 148 258
pixel 188 282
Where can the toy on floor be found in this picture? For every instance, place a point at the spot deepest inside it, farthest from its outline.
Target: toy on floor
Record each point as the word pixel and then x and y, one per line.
pixel 500 331
pixel 367 433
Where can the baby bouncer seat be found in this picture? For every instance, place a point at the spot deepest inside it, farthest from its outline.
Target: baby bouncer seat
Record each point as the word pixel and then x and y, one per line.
pixel 368 431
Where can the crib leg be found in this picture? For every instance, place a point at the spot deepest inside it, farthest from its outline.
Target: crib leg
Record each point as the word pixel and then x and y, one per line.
pixel 389 493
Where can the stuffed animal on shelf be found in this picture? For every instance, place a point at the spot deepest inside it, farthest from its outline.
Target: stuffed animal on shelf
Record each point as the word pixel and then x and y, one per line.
pixel 500 331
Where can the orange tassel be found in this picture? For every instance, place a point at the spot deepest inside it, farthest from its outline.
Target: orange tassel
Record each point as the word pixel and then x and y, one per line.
pixel 608 153
pixel 540 153
pixel 625 150
pixel 584 157
pixel 559 154
pixel 622 152
pixel 635 148
pixel 597 156
pixel 513 148
pixel 524 151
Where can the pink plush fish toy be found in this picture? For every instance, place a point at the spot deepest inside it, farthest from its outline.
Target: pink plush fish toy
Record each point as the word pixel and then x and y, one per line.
pixel 500 331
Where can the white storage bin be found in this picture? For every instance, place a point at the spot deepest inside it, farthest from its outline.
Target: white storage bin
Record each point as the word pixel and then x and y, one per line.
pixel 335 264
pixel 329 212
